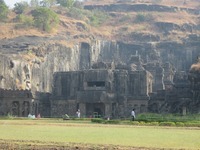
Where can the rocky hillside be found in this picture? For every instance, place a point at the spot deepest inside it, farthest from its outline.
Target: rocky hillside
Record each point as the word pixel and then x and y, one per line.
pixel 162 33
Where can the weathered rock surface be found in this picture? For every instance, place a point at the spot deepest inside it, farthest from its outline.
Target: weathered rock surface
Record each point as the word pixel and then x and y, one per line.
pixel 29 62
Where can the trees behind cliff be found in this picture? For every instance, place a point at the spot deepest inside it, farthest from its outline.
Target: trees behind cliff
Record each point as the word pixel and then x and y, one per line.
pixel 3 11
pixel 45 18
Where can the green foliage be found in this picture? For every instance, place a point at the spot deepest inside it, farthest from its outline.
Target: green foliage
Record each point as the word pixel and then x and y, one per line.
pixel 45 19
pixel 149 117
pixel 10 116
pixel 192 124
pixel 24 21
pixel 143 17
pixel 34 3
pixel 3 11
pixel 97 17
pixel 112 122
pixel 20 7
pixel 76 13
pixel 66 3
pixel 167 124
pixel 48 3
pixel 97 120
pixel 152 123
pixel 135 122
pixel 180 124
pixel 78 4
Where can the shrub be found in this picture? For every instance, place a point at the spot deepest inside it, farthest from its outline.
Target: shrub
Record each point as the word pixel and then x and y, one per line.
pixel 47 3
pixel 25 21
pixel 192 124
pixel 135 123
pixel 167 124
pixel 97 120
pixel 180 124
pixel 153 123
pixel 76 13
pixel 10 116
pixel 143 17
pixel 20 7
pixel 45 18
pixel 3 11
pixel 112 122
pixel 97 17
pixel 66 3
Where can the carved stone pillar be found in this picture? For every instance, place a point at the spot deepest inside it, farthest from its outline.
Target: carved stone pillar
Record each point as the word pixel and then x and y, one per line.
pixel 82 108
pixel 108 112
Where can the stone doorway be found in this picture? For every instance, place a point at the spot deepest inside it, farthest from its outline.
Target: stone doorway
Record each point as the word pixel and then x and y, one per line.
pixel 15 108
pixel 96 110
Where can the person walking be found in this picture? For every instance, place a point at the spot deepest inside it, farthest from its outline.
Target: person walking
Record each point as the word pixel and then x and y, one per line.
pixel 133 114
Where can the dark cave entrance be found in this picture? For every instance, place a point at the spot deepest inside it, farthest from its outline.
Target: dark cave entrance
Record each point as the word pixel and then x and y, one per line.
pixel 96 110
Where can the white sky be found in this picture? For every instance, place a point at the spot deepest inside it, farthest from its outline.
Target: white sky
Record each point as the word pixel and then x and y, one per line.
pixel 11 3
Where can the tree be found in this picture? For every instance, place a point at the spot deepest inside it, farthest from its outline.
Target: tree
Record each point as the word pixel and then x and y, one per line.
pixel 34 3
pixel 2 2
pixel 20 7
pixel 48 3
pixel 66 3
pixel 3 10
pixel 45 18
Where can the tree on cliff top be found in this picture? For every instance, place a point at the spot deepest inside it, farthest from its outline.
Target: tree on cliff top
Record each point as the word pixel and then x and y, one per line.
pixel 3 10
pixel 45 18
pixel 20 7
pixel 34 3
pixel 66 3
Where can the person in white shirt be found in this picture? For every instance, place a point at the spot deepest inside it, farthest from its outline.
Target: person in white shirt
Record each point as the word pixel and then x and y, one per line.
pixel 78 113
pixel 133 114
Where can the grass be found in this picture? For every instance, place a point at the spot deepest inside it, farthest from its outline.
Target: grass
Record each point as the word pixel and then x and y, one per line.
pixel 60 131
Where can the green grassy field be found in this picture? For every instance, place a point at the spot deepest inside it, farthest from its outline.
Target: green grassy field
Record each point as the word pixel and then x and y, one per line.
pixel 60 131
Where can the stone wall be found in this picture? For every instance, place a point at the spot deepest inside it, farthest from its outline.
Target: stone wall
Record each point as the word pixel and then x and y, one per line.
pixel 17 103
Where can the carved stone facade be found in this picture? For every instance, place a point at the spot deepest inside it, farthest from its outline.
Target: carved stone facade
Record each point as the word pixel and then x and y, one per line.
pixel 110 90
pixel 106 90
pixel 176 98
pixel 17 103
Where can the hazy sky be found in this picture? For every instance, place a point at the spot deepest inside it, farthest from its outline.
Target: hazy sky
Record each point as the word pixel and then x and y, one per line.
pixel 11 3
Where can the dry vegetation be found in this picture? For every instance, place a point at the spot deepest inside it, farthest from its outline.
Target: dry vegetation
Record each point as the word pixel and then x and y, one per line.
pixel 117 26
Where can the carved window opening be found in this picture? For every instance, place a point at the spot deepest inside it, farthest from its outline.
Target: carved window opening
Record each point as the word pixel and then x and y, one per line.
pixel 96 84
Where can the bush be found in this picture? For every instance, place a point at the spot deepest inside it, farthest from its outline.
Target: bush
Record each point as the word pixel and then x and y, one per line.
pixel 97 17
pixel 192 124
pixel 3 11
pixel 25 21
pixel 66 3
pixel 20 7
pixel 143 17
pixel 135 123
pixel 167 124
pixel 112 122
pixel 153 123
pixel 97 120
pixel 45 19
pixel 76 13
pixel 180 124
